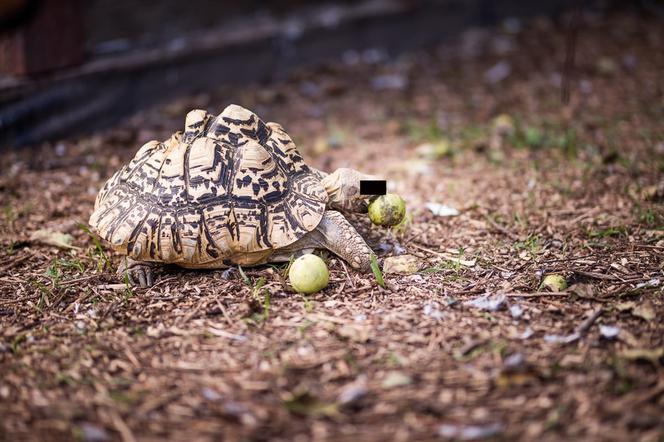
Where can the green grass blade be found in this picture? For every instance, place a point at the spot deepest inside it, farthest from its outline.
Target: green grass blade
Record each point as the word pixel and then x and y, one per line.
pixel 245 278
pixel 376 271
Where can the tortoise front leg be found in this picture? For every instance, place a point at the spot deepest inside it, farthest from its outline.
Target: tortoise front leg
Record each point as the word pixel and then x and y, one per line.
pixel 138 273
pixel 335 234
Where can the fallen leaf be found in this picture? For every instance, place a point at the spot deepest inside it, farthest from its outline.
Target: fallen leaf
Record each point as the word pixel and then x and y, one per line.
pixel 210 394
pixel 490 303
pixel 654 282
pixel 463 262
pixel 434 151
pixel 645 310
pixel 652 355
pixel 354 332
pixel 53 238
pixel 609 331
pixel 354 391
pixel 93 433
pixel 625 306
pixel 585 291
pixel 527 333
pixel 562 339
pixel 396 379
pixel 431 310
pixel 469 432
pixel 441 209
pixel 629 339
pixel 309 405
pixel 516 311
pixel 514 379
pixel 403 264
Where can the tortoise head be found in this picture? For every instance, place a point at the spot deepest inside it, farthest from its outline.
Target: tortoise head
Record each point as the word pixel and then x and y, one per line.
pixel 343 187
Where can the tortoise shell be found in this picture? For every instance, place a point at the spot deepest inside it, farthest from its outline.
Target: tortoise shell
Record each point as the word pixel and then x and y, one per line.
pixel 229 185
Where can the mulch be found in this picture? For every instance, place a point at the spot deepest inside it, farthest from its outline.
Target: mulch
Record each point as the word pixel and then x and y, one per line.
pixel 471 346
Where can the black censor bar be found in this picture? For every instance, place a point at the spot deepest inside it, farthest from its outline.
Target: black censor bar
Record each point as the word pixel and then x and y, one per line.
pixel 373 187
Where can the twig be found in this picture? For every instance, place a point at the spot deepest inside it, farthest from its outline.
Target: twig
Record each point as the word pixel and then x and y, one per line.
pixel 11 263
pixel 112 287
pixel 535 294
pixel 223 312
pixel 424 249
pixel 125 433
pixel 648 246
pixel 163 281
pixel 583 216
pixel 571 258
pixel 585 325
pixel 19 300
pixel 350 281
pixel 606 277
pixel 84 278
pixel 501 229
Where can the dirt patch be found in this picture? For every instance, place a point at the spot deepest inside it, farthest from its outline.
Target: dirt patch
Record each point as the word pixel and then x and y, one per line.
pixel 471 346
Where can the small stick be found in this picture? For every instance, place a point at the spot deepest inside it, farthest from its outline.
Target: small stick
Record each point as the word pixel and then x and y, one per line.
pixel 112 287
pixel 501 229
pixel 433 252
pixel 11 263
pixel 350 281
pixel 571 258
pixel 607 277
pixel 84 278
pixel 585 325
pixel 535 294
pixel 223 312
pixel 163 281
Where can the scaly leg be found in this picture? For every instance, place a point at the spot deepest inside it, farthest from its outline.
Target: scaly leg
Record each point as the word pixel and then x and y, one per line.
pixel 138 273
pixel 335 234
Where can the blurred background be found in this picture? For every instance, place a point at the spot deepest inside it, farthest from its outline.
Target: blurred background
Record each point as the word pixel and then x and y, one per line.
pixel 68 66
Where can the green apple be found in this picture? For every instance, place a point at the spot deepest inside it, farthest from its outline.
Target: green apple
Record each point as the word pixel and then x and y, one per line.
pixel 308 274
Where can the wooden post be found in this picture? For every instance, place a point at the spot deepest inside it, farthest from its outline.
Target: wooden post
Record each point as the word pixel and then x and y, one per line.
pixel 47 38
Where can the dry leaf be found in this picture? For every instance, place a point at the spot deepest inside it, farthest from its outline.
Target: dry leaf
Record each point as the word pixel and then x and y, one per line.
pixel 644 310
pixel 463 262
pixel 354 332
pixel 585 291
pixel 625 306
pixel 634 354
pixel 403 264
pixel 396 379
pixel 53 238
pixel 487 302
pixel 441 210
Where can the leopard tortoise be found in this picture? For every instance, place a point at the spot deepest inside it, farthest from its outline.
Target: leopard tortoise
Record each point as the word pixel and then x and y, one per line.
pixel 230 190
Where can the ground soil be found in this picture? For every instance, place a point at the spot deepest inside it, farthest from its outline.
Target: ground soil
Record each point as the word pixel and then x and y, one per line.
pixel 571 189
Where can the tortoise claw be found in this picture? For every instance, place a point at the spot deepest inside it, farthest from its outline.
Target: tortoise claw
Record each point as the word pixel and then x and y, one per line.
pixel 137 273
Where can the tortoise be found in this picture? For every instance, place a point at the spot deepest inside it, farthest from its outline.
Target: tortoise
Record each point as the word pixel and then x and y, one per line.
pixel 230 190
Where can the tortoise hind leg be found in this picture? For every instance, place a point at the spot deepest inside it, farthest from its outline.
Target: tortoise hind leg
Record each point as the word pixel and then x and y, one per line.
pixel 138 273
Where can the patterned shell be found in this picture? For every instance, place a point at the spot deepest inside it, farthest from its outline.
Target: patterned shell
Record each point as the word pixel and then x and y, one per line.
pixel 229 185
